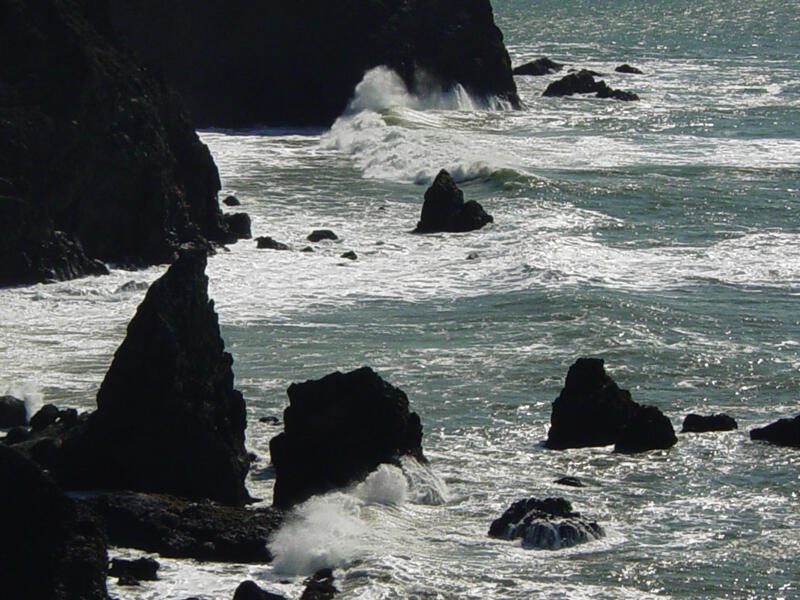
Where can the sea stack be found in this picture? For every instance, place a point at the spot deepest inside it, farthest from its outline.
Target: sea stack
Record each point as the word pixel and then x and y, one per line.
pixel 444 209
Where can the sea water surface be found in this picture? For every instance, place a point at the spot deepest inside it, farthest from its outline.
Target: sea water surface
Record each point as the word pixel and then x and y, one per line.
pixel 661 235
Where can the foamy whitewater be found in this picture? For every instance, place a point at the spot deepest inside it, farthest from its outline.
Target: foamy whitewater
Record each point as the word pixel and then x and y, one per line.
pixel 661 235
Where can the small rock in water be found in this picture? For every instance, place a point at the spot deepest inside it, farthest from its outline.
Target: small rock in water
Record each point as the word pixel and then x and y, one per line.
pixel 238 225
pixel 700 424
pixel 570 481
pixel 139 569
pixel 265 242
pixel 320 586
pixel 349 255
pixel 249 590
pixel 783 432
pixel 231 201
pixel 307 249
pixel 321 234
pixel 12 412
pixel 444 209
pixel 473 256
pixel 540 66
pixel 128 581
pixel 583 82
pixel 270 420
pixel 626 68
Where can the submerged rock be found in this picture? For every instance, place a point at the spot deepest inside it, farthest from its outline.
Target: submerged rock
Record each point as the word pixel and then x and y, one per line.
pixel 583 82
pixel 337 430
pixel 548 524
pixel 626 68
pixel 783 432
pixel 570 482
pixel 50 546
pixel 177 528
pixel 12 412
pixel 593 411
pixel 540 66
pixel 700 424
pixel 168 418
pixel 265 242
pixel 444 209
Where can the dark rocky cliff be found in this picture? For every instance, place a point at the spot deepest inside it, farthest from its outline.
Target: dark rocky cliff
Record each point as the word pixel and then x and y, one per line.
pixel 98 159
pixel 277 62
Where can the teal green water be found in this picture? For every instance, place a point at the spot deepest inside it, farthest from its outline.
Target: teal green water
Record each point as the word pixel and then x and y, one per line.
pixel 662 236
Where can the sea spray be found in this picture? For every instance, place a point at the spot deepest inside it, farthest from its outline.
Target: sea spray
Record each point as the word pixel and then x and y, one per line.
pixel 386 485
pixel 28 392
pixel 424 485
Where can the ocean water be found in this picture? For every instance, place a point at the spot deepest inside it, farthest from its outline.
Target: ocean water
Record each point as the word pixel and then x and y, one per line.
pixel 661 235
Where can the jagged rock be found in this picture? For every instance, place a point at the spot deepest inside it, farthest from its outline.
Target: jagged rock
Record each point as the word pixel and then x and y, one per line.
pixel 321 234
pixel 444 208
pixel 12 412
pixel 178 528
pixel 320 586
pixel 540 66
pixel 783 432
pixel 168 418
pixel 700 424
pixel 50 414
pixel 249 590
pixel 231 201
pixel 337 430
pixel 349 255
pixel 50 548
pixel 140 569
pixel 626 68
pixel 296 63
pixel 239 226
pixel 548 524
pixel 570 482
pixel 593 411
pixel 265 242
pixel 107 170
pixel 583 82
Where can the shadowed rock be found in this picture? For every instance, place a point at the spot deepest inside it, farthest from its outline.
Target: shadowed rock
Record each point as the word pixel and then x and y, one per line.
pixel 231 201
pixel 12 412
pixel 783 432
pixel 239 226
pixel 583 82
pixel 700 424
pixel 265 242
pixel 548 524
pixel 337 430
pixel 570 482
pixel 321 234
pixel 320 586
pixel 249 590
pixel 444 209
pixel 593 411
pixel 141 569
pixel 540 66
pixel 626 68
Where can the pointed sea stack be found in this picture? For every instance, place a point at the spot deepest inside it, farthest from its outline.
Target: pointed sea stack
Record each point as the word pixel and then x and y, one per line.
pixel 593 411
pixel 168 418
pixel 444 209
pixel 337 430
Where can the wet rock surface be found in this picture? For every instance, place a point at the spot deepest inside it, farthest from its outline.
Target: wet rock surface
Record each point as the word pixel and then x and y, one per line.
pixel 444 209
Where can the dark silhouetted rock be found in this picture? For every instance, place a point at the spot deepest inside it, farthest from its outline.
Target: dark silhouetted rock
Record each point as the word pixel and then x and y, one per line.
pixel 238 225
pixel 700 424
pixel 50 547
pixel 140 569
pixel 783 432
pixel 107 170
pixel 548 524
pixel 307 249
pixel 249 590
pixel 583 82
pixel 628 69
pixel 473 256
pixel 270 420
pixel 231 201
pixel 265 242
pixel 16 435
pixel 293 63
pixel 50 414
pixel 349 255
pixel 168 419
pixel 321 234
pixel 320 586
pixel 177 528
pixel 12 412
pixel 570 481
pixel 540 66
pixel 337 430
pixel 593 411
pixel 444 208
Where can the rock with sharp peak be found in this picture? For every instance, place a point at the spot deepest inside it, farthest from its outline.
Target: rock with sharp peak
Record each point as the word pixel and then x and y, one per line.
pixel 444 209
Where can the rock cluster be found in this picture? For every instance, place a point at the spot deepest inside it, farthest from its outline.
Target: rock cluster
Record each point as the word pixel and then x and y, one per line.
pixel 444 209
pixel 583 82
pixel 593 411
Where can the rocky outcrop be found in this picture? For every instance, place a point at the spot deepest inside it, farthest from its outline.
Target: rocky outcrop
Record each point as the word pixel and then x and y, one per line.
pixel 50 546
pixel 700 424
pixel 12 412
pixel 265 242
pixel 177 528
pixel 98 161
pixel 583 82
pixel 783 432
pixel 593 411
pixel 540 66
pixel 444 209
pixel 548 524
pixel 626 68
pixel 168 419
pixel 297 63
pixel 337 430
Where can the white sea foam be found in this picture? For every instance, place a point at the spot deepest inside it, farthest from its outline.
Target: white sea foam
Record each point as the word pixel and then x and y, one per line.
pixel 386 485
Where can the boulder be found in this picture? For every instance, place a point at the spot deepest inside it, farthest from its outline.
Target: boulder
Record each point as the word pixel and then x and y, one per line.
pixel 107 170
pixel 51 547
pixel 320 586
pixel 178 528
pixel 297 63
pixel 548 524
pixel 231 201
pixel 249 590
pixel 238 225
pixel 700 424
pixel 337 430
pixel 265 242
pixel 168 418
pixel 12 412
pixel 540 66
pixel 321 234
pixel 593 411
pixel 626 68
pixel 349 255
pixel 583 82
pixel 783 432
pixel 140 569
pixel 444 208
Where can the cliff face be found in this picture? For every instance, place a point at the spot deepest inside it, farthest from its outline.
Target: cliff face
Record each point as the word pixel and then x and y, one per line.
pixel 98 160
pixel 281 62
